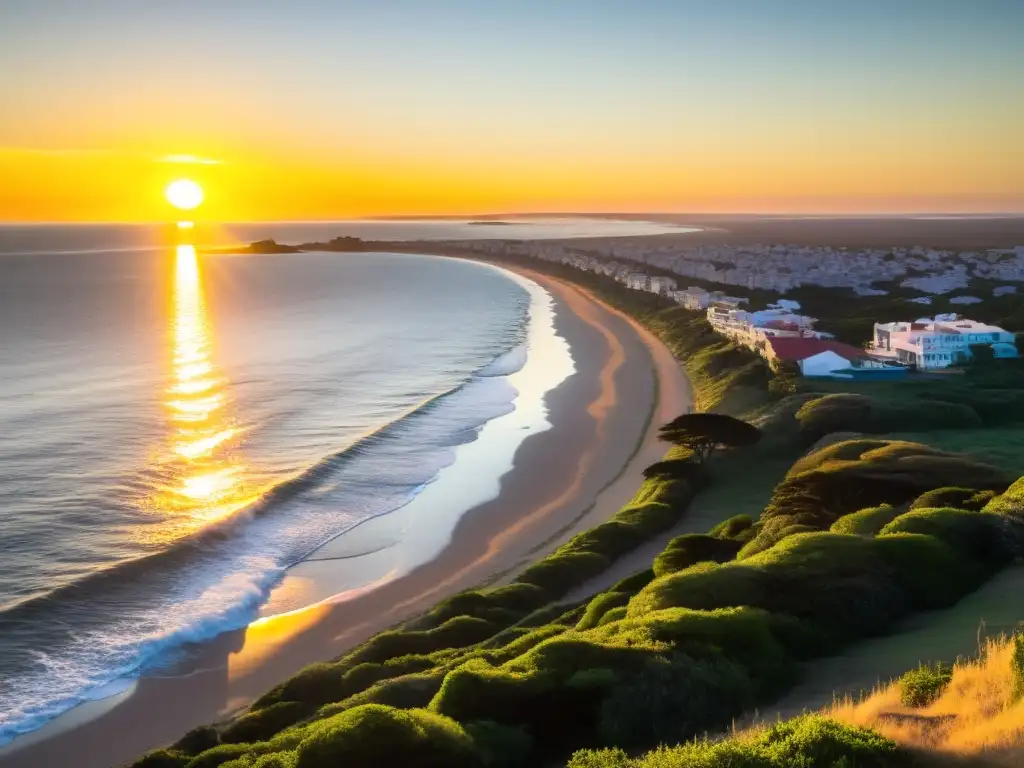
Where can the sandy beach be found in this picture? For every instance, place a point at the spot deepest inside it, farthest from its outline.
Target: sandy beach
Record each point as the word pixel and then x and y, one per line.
pixel 576 474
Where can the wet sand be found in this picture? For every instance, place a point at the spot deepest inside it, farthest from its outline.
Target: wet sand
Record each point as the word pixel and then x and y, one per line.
pixel 576 474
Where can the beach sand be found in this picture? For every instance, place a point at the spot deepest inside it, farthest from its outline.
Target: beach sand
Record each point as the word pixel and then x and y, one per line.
pixel 576 474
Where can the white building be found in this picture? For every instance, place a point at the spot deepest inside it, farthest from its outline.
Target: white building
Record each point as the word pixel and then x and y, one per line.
pixel 693 298
pixel 662 285
pixel 939 343
pixel 637 281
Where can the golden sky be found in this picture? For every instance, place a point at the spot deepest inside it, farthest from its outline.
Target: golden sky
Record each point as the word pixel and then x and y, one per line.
pixel 362 109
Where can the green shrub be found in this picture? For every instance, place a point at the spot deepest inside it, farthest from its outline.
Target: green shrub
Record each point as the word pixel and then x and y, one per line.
pixel 615 614
pixel 405 692
pixel 690 549
pixel 634 583
pixel 213 758
pixel 318 683
pixel 846 412
pixel 374 735
pixel 611 539
pixel 866 522
pixel 961 498
pixel 457 632
pixel 163 758
pixel 849 476
pixel 600 605
pixel 560 572
pixel 733 528
pixel 650 518
pixel 1017 668
pixel 197 740
pixel 262 724
pixel 1011 502
pixel 920 687
pixel 518 599
pixel 277 760
pixel 500 745
pixel 978 536
pixel 670 700
pixel 805 742
pixel 846 586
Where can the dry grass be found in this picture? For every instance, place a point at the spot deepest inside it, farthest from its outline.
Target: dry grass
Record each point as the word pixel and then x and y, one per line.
pixel 975 717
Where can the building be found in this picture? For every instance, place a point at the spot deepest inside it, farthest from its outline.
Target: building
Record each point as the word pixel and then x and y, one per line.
pixel 817 357
pixel 940 342
pixel 661 285
pixel 637 281
pixel 693 298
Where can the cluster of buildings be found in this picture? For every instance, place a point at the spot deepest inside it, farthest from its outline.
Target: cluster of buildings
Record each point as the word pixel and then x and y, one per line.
pixel 779 333
pixel 781 268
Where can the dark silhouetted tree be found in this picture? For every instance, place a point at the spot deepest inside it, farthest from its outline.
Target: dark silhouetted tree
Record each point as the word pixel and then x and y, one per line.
pixel 703 433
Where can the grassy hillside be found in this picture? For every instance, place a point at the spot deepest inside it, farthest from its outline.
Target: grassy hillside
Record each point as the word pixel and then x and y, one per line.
pixel 858 534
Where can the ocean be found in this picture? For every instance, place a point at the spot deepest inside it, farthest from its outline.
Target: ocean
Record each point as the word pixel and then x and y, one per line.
pixel 176 430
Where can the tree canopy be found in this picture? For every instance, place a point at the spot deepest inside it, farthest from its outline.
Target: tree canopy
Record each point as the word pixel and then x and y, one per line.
pixel 702 433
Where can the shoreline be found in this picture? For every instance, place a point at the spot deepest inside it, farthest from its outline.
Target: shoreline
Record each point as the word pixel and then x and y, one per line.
pixel 567 478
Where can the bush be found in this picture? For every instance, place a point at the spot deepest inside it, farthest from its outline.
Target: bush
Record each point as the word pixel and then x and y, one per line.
pixel 650 518
pixel 733 528
pixel 262 724
pixel 920 687
pixel 1017 668
pixel 846 586
pixel 808 742
pixel 690 549
pixel 634 583
pixel 600 605
pixel 560 572
pixel 406 692
pixel 458 632
pixel 615 614
pixel 318 683
pixel 213 758
pixel 846 477
pixel 866 522
pixel 197 740
pixel 500 745
pixel 163 758
pixel 612 539
pixel 961 498
pixel 846 412
pixel 1011 502
pixel 978 536
pixel 374 735
pixel 669 700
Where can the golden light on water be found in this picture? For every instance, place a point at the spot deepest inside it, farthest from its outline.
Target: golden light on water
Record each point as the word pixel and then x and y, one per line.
pixel 205 482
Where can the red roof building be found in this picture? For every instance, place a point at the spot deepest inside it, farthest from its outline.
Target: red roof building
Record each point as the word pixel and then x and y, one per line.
pixel 795 349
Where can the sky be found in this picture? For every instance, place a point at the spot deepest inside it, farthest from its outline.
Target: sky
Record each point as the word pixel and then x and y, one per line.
pixel 320 109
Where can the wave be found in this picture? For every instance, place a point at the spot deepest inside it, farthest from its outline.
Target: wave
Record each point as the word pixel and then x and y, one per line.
pixel 111 624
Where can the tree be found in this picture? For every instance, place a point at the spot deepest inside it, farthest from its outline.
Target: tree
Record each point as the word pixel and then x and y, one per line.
pixel 702 433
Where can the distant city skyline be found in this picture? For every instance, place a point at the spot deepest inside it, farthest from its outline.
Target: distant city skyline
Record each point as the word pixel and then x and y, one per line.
pixel 314 110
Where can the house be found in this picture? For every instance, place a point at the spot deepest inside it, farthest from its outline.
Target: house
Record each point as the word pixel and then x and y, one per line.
pixel 816 357
pixel 946 340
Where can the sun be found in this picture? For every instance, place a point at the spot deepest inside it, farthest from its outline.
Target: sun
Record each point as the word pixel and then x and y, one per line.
pixel 184 194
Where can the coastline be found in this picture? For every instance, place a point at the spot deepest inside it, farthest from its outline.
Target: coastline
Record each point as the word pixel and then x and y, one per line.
pixel 568 478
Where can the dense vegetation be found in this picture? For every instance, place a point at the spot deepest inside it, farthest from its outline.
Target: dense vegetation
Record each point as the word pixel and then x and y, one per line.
pixel 860 533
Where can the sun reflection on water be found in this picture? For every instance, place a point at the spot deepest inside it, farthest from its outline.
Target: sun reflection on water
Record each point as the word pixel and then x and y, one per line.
pixel 205 481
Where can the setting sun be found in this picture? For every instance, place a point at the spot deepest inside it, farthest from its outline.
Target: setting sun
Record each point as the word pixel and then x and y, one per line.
pixel 184 194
